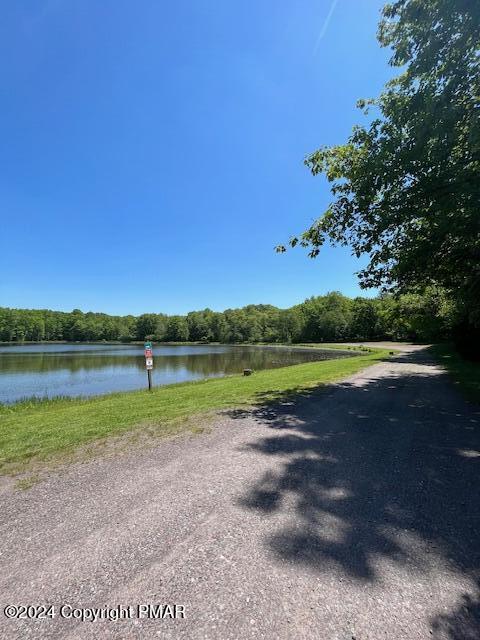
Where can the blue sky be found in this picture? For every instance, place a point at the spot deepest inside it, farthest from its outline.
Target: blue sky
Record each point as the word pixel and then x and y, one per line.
pixel 152 152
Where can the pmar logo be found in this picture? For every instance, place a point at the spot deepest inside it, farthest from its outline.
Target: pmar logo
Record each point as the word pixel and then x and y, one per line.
pixel 161 611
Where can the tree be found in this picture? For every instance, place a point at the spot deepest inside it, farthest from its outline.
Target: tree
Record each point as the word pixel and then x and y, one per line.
pixel 126 328
pixel 177 329
pixel 219 328
pixel 146 326
pixel 365 324
pixel 406 187
pixel 327 318
pixel 289 325
pixel 199 327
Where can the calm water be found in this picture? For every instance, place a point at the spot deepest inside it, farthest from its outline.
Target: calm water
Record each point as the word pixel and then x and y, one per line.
pixel 91 369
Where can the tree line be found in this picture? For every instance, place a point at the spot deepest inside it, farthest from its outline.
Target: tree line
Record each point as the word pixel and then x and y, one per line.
pixel 333 317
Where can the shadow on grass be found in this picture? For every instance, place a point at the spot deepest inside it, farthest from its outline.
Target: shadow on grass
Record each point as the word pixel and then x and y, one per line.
pixel 386 470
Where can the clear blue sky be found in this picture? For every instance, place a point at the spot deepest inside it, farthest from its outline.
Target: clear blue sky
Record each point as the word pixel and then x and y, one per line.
pixel 152 152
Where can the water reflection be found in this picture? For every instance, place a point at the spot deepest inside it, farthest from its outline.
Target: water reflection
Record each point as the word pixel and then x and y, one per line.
pixel 75 370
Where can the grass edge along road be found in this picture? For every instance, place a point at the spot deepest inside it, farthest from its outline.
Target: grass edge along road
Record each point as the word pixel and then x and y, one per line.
pixel 48 430
pixel 464 373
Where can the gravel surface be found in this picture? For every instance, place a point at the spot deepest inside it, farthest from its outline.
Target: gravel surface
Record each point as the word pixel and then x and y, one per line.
pixel 348 513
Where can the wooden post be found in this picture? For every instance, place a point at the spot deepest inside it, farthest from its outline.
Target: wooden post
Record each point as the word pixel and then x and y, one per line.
pixel 149 375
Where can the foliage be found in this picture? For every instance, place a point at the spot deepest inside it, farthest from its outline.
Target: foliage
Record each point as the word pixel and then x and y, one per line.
pixel 406 187
pixel 423 316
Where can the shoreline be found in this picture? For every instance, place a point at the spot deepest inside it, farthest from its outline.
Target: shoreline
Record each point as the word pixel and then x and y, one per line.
pixel 351 350
pixel 331 345
pixel 47 431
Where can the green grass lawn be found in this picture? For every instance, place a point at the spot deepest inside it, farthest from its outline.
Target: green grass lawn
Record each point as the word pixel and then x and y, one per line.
pixel 464 373
pixel 38 431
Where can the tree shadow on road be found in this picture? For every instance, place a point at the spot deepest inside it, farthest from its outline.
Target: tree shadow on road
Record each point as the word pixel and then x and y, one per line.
pixel 463 622
pixel 385 471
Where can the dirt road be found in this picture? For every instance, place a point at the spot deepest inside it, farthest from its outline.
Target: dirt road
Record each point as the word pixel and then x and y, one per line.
pixel 351 512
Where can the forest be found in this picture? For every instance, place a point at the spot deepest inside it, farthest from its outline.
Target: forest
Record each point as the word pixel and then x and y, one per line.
pixel 333 317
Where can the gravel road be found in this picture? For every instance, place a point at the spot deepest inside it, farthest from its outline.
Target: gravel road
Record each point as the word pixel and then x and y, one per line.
pixel 350 512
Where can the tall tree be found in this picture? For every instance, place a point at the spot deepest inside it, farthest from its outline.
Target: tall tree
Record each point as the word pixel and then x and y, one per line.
pixel 146 326
pixel 406 186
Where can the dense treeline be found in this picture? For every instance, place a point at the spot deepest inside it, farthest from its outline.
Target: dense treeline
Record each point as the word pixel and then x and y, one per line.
pixel 332 317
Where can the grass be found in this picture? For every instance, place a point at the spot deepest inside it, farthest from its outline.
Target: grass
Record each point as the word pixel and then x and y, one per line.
pixel 335 345
pixel 464 373
pixel 340 346
pixel 50 430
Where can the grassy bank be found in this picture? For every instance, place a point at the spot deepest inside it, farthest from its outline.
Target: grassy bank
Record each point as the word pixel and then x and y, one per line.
pixel 464 373
pixel 49 429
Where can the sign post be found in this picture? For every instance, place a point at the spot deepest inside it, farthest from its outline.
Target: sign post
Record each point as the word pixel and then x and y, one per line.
pixel 149 363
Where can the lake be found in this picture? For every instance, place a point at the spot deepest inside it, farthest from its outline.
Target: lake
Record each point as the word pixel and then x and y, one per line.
pixel 48 370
